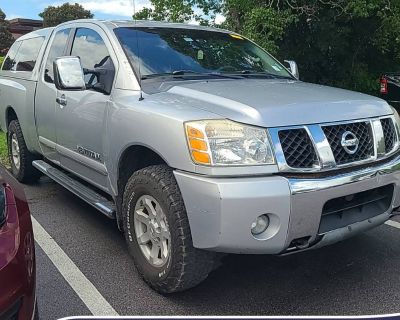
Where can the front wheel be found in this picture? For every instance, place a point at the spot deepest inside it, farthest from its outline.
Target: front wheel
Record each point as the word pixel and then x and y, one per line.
pixel 158 234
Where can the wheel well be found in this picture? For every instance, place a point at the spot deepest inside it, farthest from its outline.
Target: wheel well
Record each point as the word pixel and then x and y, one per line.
pixel 133 159
pixel 10 116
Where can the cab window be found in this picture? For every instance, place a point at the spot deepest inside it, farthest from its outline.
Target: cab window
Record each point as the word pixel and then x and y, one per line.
pixel 9 62
pixel 57 49
pixel 93 52
pixel 27 55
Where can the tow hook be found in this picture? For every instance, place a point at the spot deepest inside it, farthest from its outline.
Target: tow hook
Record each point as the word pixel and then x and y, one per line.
pixel 301 243
pixel 396 211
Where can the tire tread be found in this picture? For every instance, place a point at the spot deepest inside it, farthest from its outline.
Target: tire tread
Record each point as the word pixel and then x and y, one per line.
pixel 191 266
pixel 27 173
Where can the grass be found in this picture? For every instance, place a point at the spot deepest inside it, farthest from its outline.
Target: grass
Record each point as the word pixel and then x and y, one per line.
pixel 3 141
pixel 3 150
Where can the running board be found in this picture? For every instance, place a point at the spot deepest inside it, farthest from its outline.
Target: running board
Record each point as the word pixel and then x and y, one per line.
pixel 87 194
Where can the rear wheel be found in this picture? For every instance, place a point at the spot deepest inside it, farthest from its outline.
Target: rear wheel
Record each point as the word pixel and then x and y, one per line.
pixel 19 155
pixel 158 234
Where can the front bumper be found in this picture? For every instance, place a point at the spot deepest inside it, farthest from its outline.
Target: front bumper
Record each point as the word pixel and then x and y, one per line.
pixel 221 210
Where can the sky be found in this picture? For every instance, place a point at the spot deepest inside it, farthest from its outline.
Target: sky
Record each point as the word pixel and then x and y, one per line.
pixel 102 9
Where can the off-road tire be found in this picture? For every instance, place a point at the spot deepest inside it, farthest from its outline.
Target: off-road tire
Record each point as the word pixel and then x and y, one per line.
pixel 26 173
pixel 187 266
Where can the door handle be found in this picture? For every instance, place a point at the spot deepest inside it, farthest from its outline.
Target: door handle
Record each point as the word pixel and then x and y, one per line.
pixel 62 101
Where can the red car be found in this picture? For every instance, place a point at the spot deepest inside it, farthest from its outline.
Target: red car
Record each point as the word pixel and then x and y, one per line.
pixel 17 253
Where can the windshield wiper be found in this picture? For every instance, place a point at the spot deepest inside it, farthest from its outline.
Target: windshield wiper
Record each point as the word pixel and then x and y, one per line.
pixel 183 72
pixel 249 73
pixel 191 73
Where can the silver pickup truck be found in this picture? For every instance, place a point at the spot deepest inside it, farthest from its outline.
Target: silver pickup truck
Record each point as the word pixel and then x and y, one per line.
pixel 197 141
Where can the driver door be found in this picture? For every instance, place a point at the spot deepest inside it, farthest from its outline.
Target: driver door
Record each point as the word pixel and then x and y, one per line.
pixel 82 115
pixel 46 94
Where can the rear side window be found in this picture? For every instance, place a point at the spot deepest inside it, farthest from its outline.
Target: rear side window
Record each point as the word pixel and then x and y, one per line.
pixel 27 54
pixel 9 63
pixel 57 49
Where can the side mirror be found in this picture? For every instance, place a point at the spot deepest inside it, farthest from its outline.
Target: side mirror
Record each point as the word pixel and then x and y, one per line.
pixel 68 74
pixel 294 70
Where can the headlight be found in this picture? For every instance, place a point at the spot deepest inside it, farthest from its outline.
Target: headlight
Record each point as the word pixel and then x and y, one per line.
pixel 396 116
pixel 224 143
pixel 397 120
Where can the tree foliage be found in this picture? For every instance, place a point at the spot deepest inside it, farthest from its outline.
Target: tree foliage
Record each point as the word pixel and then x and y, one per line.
pixel 203 11
pixel 167 10
pixel 345 43
pixel 53 16
pixel 6 38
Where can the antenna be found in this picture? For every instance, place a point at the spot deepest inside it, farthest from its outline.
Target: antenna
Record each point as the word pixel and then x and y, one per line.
pixel 138 51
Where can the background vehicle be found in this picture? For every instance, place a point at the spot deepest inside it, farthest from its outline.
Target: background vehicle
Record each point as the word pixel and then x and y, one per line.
pixel 197 142
pixel 390 89
pixel 17 253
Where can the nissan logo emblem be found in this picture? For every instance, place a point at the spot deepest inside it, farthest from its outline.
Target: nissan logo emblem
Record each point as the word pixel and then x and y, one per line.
pixel 349 142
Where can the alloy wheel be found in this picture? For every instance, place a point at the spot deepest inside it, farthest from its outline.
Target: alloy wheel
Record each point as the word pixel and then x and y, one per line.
pixel 152 231
pixel 15 153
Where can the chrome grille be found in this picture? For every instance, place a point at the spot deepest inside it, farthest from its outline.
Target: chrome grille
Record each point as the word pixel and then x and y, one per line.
pixel 389 133
pixel 298 148
pixel 322 147
pixel 362 130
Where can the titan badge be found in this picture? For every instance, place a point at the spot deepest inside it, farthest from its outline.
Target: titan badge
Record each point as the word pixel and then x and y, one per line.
pixel 88 153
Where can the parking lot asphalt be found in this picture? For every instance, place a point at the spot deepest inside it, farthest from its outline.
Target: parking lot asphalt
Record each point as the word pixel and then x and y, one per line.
pixel 356 277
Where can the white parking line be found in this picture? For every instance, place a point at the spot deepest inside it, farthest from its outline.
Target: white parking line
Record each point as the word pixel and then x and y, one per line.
pixel 86 291
pixel 393 224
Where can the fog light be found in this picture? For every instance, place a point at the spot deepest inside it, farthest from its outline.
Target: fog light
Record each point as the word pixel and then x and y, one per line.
pixel 260 225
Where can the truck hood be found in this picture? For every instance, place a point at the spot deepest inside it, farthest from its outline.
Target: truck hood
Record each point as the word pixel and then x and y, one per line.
pixel 273 103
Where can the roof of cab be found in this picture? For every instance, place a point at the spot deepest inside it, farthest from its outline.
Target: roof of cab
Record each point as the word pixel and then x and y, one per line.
pixel 112 24
pixel 37 33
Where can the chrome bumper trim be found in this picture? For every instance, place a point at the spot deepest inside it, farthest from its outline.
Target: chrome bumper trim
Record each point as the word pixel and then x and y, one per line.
pixel 302 185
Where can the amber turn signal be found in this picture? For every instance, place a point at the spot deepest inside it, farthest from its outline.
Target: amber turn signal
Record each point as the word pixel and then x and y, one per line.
pixel 194 133
pixel 201 157
pixel 198 144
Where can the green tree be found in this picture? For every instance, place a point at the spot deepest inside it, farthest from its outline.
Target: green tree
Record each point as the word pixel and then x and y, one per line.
pixel 345 43
pixel 6 38
pixel 350 42
pixel 53 16
pixel 167 10
pixel 181 11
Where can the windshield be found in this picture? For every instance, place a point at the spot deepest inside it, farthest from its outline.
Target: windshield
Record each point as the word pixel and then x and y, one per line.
pixel 163 51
